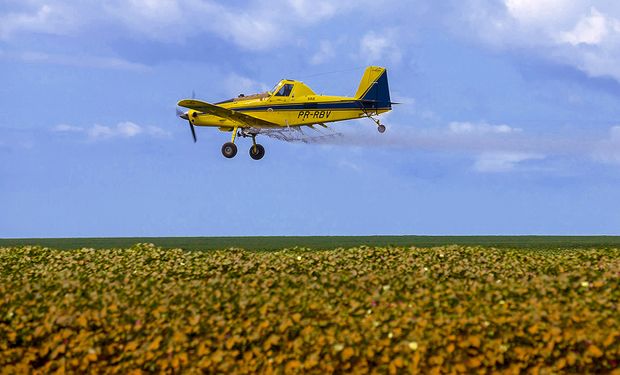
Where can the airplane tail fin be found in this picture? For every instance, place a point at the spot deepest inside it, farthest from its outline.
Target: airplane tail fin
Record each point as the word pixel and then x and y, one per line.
pixel 374 87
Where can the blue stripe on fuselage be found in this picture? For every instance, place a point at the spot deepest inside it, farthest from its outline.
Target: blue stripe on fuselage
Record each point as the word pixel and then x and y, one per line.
pixel 313 106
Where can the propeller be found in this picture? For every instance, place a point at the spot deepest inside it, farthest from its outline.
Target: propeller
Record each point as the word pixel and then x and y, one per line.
pixel 185 116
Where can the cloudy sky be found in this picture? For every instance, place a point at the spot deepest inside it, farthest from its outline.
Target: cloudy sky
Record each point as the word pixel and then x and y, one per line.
pixel 509 122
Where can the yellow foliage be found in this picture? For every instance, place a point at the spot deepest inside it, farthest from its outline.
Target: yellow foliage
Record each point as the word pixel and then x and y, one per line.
pixel 611 339
pixel 474 341
pixel 131 346
pixel 474 362
pixel 296 317
pixel 384 310
pixel 154 345
pixel 594 351
pixel 347 353
pixel 291 366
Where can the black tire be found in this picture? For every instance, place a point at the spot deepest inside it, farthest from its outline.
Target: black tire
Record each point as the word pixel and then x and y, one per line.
pixel 229 150
pixel 257 152
pixel 381 129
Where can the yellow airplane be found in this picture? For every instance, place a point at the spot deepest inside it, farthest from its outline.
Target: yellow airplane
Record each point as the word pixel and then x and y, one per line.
pixel 285 109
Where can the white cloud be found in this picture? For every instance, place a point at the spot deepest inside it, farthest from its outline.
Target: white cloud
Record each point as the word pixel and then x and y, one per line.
pixel 155 20
pixel 480 128
pixel 317 8
pixel 248 31
pixel 156 10
pixel 67 128
pixel 253 28
pixel 251 25
pixel 46 18
pixel 572 32
pixel 77 61
pixel 125 129
pixel 101 132
pixel 591 29
pixel 499 162
pixel 128 129
pixel 379 47
pixel 535 11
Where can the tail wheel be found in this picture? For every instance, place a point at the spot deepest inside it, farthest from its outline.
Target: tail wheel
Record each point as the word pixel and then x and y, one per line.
pixel 381 129
pixel 257 152
pixel 229 150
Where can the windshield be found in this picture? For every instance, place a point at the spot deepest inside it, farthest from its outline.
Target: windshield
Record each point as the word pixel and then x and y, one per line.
pixel 285 90
pixel 273 90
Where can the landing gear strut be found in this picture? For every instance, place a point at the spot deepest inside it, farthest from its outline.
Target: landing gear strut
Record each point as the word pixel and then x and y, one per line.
pixel 256 151
pixel 380 126
pixel 229 149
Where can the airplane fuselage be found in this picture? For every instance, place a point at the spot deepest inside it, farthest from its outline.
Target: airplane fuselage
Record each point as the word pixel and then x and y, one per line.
pixel 291 110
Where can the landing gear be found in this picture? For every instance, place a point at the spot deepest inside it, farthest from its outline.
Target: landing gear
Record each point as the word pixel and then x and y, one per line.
pixel 229 150
pixel 257 152
pixel 380 126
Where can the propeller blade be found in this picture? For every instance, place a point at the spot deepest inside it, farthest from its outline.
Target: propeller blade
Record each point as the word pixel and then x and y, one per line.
pixel 191 126
pixel 182 114
pixel 185 116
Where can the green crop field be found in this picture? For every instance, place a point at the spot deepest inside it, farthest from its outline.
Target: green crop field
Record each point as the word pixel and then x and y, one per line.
pixel 453 309
pixel 323 242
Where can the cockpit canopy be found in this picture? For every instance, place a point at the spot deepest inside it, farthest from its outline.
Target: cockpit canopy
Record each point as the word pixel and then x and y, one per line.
pixel 286 88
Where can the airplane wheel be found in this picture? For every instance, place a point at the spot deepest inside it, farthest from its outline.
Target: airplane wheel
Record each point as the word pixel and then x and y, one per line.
pixel 381 129
pixel 259 153
pixel 229 150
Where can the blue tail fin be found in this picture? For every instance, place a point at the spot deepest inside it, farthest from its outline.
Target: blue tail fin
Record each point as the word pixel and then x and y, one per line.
pixel 374 88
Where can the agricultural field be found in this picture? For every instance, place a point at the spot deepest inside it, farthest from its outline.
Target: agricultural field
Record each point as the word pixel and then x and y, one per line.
pixel 321 242
pixel 445 309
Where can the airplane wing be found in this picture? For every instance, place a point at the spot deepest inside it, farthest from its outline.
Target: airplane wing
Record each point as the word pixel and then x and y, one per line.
pixel 242 118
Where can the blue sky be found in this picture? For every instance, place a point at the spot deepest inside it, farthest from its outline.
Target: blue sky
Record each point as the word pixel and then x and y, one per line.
pixel 509 122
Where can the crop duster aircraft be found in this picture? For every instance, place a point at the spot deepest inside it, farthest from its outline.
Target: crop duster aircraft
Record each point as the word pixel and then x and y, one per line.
pixel 290 106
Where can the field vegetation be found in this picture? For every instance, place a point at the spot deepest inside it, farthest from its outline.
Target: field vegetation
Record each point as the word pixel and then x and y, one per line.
pixel 322 242
pixel 448 309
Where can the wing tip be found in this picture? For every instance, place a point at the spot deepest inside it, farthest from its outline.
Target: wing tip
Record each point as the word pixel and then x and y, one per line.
pixel 183 102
